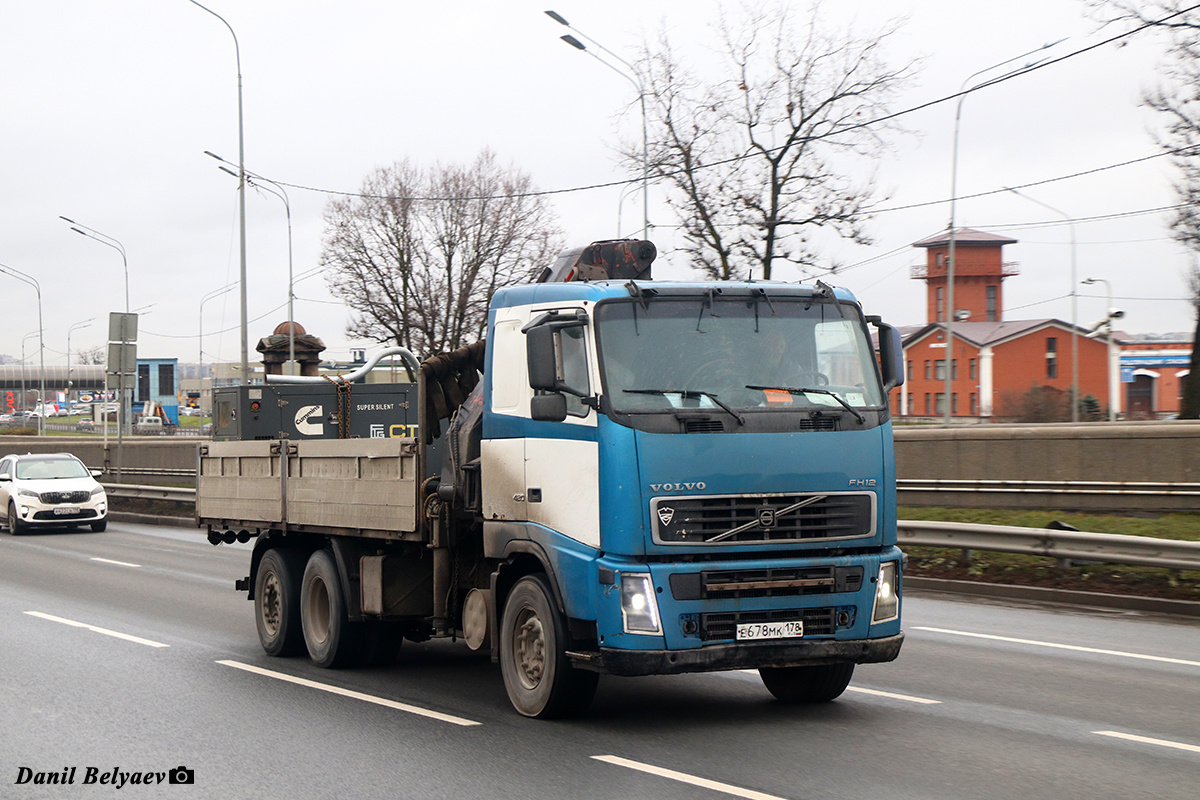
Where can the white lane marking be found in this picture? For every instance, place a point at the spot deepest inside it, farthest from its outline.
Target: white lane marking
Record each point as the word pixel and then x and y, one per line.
pixel 325 687
pixel 1147 740
pixel 875 692
pixel 1055 645
pixel 94 629
pixel 118 563
pixel 910 698
pixel 683 777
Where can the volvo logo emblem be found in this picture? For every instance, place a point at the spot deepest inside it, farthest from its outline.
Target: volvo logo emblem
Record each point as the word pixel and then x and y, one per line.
pixel 666 515
pixel 766 517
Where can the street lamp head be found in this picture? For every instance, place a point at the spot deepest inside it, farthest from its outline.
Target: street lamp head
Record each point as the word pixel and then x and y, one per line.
pixel 66 219
pixel 571 40
pixel 228 170
pixel 81 233
pixel 554 15
pixel 1088 281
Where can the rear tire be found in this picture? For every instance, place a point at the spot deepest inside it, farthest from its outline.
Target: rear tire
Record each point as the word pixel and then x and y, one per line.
pixel 816 684
pixel 539 678
pixel 15 525
pixel 332 640
pixel 100 525
pixel 277 602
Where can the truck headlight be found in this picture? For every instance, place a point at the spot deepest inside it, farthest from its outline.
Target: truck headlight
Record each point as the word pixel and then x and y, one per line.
pixel 887 599
pixel 639 606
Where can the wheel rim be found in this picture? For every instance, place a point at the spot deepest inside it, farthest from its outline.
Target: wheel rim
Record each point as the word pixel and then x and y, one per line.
pixel 271 604
pixel 529 648
pixel 318 610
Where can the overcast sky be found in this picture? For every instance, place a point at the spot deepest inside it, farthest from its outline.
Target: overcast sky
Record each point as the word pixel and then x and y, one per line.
pixel 106 109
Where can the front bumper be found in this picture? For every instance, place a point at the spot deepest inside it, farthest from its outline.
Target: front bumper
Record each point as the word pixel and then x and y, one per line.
pixel 33 511
pixel 718 657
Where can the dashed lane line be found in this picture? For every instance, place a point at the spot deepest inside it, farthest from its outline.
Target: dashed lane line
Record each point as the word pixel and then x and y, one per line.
pixel 1148 740
pixel 1057 646
pixel 683 777
pixel 876 693
pixel 94 629
pixel 379 701
pixel 118 563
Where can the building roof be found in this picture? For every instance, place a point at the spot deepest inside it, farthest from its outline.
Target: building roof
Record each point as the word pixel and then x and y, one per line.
pixel 964 237
pixel 983 334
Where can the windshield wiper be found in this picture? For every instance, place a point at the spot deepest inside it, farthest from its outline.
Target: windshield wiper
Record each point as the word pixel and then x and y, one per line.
pixel 692 394
pixel 834 395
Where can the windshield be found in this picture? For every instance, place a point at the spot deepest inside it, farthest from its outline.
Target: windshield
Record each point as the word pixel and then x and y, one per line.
pixel 38 469
pixel 735 352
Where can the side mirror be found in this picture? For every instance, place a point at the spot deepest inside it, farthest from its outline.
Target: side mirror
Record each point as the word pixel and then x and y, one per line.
pixel 96 473
pixel 891 356
pixel 548 407
pixel 4 476
pixel 543 368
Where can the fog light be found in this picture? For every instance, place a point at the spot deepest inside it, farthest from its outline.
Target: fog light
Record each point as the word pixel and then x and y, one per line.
pixel 639 607
pixel 887 600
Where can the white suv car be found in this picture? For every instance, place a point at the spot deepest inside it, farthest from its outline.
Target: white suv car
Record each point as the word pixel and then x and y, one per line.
pixel 51 489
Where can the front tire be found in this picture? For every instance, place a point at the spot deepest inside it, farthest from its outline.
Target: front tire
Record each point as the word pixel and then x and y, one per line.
pixel 816 684
pixel 100 525
pixel 539 679
pixel 277 601
pixel 15 524
pixel 332 640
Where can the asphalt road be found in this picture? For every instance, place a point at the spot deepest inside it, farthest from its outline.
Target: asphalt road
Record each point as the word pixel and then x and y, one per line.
pixel 987 700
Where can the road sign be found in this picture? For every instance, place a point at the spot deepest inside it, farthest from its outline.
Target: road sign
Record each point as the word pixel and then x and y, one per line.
pixel 122 359
pixel 122 327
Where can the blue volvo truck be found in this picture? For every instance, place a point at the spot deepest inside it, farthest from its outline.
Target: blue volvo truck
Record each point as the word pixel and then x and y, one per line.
pixel 626 477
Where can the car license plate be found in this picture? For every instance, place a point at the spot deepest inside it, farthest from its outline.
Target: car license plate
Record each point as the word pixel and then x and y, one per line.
pixel 770 630
pixel 63 511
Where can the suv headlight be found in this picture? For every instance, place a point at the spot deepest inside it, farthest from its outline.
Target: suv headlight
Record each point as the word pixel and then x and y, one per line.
pixel 887 599
pixel 97 490
pixel 639 606
pixel 27 493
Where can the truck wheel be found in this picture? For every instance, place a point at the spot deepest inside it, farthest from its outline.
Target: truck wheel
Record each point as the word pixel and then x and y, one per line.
pixel 817 684
pixel 540 680
pixel 15 524
pixel 333 641
pixel 277 601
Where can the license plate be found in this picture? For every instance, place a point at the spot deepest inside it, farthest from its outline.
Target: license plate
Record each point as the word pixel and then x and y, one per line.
pixel 770 630
pixel 63 511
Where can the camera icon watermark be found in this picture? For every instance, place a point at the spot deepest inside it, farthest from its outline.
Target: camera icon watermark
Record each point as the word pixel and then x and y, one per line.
pixel 181 774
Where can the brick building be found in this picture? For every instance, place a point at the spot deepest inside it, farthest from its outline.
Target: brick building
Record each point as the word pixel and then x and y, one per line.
pixel 999 368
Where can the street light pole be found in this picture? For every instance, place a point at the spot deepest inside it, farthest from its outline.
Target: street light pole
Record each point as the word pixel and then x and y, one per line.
pixel 1114 385
pixel 950 259
pixel 21 276
pixel 1074 303
pixel 281 193
pixel 245 376
pixel 105 239
pixel 633 78
pixel 85 323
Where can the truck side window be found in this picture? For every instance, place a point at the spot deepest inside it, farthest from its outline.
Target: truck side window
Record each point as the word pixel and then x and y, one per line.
pixel 573 348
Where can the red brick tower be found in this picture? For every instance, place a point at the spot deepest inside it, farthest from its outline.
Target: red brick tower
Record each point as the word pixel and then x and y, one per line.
pixel 979 270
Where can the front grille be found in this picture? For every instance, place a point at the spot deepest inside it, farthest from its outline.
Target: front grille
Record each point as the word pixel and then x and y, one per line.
pixel 817 621
pixel 56 498
pixel 735 519
pixel 85 513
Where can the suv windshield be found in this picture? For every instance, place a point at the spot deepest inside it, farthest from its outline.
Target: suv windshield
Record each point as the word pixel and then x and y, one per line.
pixel 41 468
pixel 741 353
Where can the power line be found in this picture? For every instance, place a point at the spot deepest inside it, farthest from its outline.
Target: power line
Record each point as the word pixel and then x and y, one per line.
pixel 857 126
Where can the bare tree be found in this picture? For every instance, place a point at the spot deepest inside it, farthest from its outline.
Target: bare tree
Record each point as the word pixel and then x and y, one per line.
pixel 1177 100
pixel 754 159
pixel 418 255
pixel 94 355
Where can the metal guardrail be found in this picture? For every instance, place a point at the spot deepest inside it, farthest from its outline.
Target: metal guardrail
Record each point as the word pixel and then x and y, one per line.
pixel 1118 488
pixel 1072 545
pixel 178 494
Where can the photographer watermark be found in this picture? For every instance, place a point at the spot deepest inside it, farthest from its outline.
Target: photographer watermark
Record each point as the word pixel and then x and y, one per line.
pixel 115 777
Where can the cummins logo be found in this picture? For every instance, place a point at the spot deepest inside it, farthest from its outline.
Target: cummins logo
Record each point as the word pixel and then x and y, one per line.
pixel 309 420
pixel 678 487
